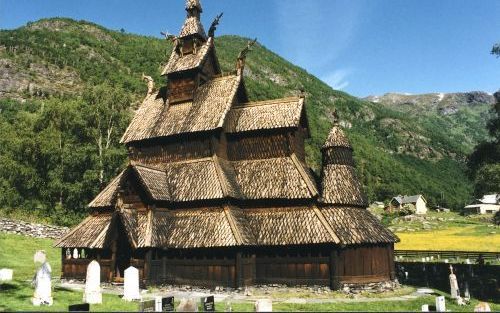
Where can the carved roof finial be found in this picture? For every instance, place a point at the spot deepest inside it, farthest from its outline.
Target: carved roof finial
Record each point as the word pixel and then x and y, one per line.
pixel 213 27
pixel 240 63
pixel 151 83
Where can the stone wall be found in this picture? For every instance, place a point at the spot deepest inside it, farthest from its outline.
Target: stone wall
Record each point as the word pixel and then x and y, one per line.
pixel 31 229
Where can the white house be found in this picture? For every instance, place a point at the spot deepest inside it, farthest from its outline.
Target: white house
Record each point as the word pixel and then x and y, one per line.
pixel 487 204
pixel 417 200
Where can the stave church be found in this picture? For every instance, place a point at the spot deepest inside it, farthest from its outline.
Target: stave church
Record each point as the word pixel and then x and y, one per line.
pixel 217 191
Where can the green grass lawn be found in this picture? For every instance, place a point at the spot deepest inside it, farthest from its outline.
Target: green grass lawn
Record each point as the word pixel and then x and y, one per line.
pixel 16 252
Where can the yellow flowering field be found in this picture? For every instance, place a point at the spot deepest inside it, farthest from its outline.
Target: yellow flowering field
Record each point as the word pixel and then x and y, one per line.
pixel 459 238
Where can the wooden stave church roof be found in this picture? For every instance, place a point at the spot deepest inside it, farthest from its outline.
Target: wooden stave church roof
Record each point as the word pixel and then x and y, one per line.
pixel 231 226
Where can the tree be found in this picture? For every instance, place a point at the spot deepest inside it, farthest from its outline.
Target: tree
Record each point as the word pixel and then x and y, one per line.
pixel 106 115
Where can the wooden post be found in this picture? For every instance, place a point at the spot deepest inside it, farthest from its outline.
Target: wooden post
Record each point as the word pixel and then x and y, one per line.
pixel 147 265
pixel 334 266
pixel 238 271
pixel 164 266
pixel 392 269
pixel 113 261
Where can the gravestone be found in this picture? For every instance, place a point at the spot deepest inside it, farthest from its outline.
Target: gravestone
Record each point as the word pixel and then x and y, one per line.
pixel 208 304
pixel 75 253
pixel 167 304
pixel 92 292
pixel 453 284
pixel 482 307
pixel 263 305
pixel 42 281
pixel 187 305
pixel 148 306
pixel 6 274
pixel 440 304
pixel 425 308
pixel 83 307
pixel 131 284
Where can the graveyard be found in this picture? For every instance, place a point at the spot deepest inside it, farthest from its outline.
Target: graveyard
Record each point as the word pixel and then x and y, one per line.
pixel 17 253
pixel 200 186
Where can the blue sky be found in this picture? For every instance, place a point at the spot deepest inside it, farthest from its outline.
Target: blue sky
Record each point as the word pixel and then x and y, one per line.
pixel 363 47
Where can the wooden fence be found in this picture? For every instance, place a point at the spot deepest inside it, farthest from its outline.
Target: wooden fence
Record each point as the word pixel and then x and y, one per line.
pixel 472 255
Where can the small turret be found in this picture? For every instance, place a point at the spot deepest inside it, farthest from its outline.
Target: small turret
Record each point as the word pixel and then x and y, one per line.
pixel 339 183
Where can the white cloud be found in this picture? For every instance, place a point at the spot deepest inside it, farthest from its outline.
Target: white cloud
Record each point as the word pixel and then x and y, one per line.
pixel 337 79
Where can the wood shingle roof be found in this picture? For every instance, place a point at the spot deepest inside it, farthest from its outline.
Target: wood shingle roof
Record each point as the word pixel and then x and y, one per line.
pixel 178 63
pixel 340 185
pixel 156 118
pixel 91 232
pixel 274 178
pixel 279 113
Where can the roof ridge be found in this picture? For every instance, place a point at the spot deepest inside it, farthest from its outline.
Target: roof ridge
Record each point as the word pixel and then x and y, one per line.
pixel 312 188
pixel 148 167
pixel 234 91
pixel 103 231
pixel 204 159
pixel 266 102
pixel 222 178
pixel 232 224
pixel 325 224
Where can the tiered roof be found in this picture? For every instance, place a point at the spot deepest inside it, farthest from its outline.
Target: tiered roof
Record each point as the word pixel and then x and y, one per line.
pixel 300 214
pixel 229 226
pixel 207 111
pixel 339 182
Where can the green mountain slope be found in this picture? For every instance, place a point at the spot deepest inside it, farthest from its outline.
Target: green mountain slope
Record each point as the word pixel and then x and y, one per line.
pixel 397 152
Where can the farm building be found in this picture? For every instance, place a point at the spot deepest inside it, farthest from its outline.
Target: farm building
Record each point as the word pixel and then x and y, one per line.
pixel 418 201
pixel 218 193
pixel 487 204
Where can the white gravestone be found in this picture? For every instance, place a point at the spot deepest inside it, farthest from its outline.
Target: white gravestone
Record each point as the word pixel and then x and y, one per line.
pixel 440 304
pixel 453 284
pixel 42 281
pixel 75 253
pixel 482 307
pixel 92 293
pixel 6 274
pixel 131 284
pixel 263 305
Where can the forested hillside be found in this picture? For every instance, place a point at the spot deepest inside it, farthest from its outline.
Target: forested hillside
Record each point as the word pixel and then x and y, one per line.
pixel 68 90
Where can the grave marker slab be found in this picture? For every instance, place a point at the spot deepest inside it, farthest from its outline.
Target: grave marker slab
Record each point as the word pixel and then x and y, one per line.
pixel 263 305
pixel 209 304
pixel 82 307
pixel 92 292
pixel 131 284
pixel 148 306
pixel 167 304
pixel 6 274
pixel 440 304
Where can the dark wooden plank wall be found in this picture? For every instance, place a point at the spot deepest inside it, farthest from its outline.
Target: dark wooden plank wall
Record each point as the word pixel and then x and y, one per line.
pixel 77 268
pixel 306 269
pixel 181 89
pixel 297 143
pixel 364 264
pixel 255 146
pixel 172 151
pixel 198 268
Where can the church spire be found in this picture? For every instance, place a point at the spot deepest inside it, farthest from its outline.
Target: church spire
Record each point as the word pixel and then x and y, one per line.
pixel 192 25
